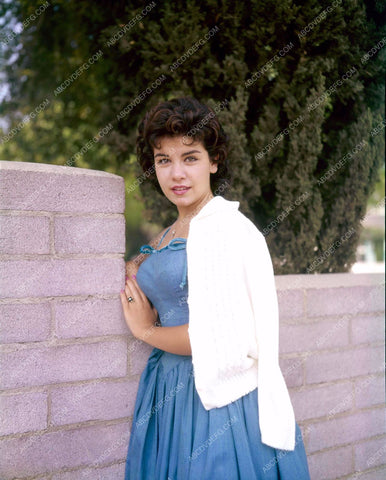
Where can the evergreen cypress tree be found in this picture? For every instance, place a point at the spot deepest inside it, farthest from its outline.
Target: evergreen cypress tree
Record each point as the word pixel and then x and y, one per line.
pixel 304 81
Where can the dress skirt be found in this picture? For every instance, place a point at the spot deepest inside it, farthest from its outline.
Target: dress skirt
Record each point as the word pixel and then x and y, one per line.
pixel 173 437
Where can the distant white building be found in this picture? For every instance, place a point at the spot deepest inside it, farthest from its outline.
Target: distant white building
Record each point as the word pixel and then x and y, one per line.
pixel 367 261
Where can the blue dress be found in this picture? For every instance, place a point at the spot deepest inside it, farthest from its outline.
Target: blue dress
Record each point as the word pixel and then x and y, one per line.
pixel 173 437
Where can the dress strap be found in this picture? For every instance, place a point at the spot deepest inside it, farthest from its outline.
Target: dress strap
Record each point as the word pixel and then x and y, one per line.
pixel 163 237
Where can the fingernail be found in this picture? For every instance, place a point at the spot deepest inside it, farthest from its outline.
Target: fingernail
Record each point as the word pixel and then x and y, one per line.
pixel 134 276
pixel 122 291
pixel 126 277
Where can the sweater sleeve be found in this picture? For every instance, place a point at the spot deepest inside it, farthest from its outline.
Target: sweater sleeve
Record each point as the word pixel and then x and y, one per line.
pixel 276 415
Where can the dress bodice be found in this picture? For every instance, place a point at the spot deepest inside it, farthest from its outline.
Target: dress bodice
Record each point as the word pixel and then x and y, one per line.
pixel 163 278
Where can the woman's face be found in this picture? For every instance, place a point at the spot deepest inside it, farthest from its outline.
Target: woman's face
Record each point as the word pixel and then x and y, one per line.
pixel 178 164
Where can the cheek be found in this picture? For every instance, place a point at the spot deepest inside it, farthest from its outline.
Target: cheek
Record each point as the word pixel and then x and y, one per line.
pixel 207 173
pixel 202 171
pixel 160 176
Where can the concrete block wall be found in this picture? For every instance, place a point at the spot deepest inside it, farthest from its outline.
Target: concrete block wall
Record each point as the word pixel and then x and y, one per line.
pixel 67 385
pixel 332 330
pixel 70 367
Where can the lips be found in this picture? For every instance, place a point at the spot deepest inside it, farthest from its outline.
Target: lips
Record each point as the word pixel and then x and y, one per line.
pixel 180 189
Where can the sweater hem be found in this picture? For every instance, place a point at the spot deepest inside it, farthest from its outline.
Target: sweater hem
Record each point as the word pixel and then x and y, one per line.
pixel 229 390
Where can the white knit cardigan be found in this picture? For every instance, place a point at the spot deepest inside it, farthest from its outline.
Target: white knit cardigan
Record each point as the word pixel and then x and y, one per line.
pixel 234 318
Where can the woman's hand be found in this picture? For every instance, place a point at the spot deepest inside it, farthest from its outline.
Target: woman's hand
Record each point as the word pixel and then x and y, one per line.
pixel 139 315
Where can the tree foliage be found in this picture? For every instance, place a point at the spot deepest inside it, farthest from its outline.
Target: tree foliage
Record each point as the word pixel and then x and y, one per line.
pixel 303 81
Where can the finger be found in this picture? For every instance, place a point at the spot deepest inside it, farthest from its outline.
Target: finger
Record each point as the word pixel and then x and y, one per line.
pixel 136 289
pixel 135 295
pixel 129 293
pixel 124 301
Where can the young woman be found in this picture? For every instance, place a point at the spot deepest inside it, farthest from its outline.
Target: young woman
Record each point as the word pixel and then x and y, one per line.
pixel 212 403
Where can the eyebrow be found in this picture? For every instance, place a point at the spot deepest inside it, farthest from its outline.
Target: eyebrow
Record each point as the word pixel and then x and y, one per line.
pixel 187 153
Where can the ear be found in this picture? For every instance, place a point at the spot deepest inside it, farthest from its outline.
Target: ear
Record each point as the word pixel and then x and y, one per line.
pixel 214 164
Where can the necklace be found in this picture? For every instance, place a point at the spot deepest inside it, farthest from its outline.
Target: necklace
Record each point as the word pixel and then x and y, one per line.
pixel 173 232
pixel 175 229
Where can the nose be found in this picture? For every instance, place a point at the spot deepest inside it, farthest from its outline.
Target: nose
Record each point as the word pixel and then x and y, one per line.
pixel 178 170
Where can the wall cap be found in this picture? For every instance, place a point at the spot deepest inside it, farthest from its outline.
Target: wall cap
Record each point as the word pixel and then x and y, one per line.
pixel 328 280
pixel 48 168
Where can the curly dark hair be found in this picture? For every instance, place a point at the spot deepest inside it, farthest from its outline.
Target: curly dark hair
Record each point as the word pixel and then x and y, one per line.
pixel 187 117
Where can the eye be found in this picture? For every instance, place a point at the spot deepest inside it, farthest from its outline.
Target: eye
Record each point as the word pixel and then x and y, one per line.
pixel 191 158
pixel 160 161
